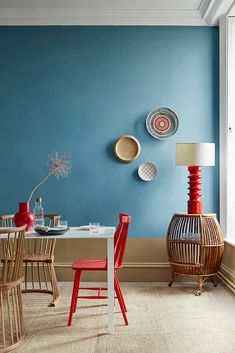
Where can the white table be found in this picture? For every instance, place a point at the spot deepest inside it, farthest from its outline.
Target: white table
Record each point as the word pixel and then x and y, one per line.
pixel 105 233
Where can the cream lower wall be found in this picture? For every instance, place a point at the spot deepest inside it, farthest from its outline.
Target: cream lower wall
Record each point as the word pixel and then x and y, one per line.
pixel 145 259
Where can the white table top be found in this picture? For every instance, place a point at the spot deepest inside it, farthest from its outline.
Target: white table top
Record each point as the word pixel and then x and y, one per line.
pixel 74 233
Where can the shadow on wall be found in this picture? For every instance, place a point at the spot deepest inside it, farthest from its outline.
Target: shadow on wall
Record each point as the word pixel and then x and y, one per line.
pixel 109 151
pixel 140 129
pixel 136 175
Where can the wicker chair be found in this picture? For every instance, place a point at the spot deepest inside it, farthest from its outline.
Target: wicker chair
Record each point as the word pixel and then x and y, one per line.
pixel 7 220
pixel 39 275
pixel 195 247
pixel 12 327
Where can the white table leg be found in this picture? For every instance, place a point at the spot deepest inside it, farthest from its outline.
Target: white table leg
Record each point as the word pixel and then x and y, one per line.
pixel 110 248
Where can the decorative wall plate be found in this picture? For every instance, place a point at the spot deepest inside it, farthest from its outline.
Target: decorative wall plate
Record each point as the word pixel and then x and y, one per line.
pixel 127 148
pixel 162 123
pixel 147 171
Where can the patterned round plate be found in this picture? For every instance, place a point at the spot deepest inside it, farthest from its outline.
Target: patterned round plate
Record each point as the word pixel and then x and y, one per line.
pixel 147 171
pixel 162 123
pixel 127 148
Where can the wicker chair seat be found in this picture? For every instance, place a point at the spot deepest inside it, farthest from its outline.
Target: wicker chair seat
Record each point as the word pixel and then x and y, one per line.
pixel 31 257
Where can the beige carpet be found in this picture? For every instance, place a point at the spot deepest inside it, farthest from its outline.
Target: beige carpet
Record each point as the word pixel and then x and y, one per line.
pixel 161 320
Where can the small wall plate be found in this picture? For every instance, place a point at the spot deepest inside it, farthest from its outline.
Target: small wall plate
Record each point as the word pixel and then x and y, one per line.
pixel 147 171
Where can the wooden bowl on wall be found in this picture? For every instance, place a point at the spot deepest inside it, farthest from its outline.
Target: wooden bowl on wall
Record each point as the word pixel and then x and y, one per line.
pixel 127 148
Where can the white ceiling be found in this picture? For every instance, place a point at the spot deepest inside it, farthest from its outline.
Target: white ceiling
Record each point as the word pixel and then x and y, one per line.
pixel 103 4
pixel 112 12
pixel 232 11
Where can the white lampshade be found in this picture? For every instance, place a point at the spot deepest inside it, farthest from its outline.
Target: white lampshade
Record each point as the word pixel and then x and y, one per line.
pixel 195 154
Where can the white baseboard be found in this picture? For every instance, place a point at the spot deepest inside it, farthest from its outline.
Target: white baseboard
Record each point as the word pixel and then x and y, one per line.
pixel 227 277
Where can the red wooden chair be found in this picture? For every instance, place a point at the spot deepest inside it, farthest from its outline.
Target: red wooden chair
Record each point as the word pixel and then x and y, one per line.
pixel 78 266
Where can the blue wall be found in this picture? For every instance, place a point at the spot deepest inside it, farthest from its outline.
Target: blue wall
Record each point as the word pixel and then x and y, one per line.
pixel 77 89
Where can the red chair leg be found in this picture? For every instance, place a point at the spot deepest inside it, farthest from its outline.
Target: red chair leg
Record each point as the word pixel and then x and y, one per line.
pixel 121 296
pixel 77 290
pixel 74 296
pixel 117 290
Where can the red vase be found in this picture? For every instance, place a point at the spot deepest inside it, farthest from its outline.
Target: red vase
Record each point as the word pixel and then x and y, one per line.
pixel 24 216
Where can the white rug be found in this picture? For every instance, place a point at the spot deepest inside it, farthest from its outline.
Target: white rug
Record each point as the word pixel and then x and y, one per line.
pixel 161 320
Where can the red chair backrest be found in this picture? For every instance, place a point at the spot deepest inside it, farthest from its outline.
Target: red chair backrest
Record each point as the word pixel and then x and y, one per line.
pixel 120 238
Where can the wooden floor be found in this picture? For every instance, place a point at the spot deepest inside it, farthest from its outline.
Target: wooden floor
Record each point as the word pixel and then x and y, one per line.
pixel 161 320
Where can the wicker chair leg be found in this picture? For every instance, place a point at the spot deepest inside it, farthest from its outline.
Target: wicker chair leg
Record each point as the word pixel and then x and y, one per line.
pixel 200 283
pixel 172 279
pixel 54 284
pixel 214 280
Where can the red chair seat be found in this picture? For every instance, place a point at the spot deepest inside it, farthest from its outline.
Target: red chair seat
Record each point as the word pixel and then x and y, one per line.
pixel 91 265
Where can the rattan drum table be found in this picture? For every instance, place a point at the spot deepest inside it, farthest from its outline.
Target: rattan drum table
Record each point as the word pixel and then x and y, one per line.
pixel 195 247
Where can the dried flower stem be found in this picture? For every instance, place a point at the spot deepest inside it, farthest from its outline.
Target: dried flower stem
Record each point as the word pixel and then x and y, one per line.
pixel 49 174
pixel 59 165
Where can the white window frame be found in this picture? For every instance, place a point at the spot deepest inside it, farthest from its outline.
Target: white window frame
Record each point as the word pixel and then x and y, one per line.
pixel 227 125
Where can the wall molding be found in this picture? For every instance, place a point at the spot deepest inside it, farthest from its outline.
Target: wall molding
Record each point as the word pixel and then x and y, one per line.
pixel 208 13
pixel 227 277
pixel 212 10
pixel 223 124
pixel 59 16
pixel 125 265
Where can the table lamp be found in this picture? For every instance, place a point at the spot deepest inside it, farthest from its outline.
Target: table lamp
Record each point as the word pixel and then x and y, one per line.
pixel 195 156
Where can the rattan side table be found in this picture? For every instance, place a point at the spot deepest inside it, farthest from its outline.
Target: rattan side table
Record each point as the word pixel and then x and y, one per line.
pixel 195 247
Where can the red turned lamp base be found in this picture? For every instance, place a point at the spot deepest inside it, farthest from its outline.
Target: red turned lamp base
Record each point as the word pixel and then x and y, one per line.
pixel 194 207
pixel 194 202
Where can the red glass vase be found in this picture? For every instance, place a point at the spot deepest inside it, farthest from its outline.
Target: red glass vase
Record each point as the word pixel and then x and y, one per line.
pixel 24 216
